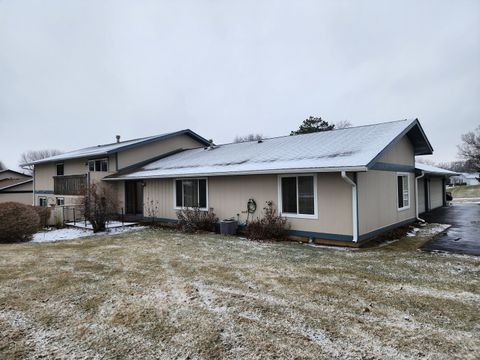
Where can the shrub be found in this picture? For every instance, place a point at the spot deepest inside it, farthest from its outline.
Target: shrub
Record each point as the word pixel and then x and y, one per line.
pixel 99 205
pixel 18 222
pixel 270 227
pixel 192 220
pixel 43 213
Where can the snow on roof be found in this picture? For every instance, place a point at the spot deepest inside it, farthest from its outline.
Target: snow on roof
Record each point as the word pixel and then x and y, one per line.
pixel 105 149
pixel 10 183
pixel 429 169
pixel 347 149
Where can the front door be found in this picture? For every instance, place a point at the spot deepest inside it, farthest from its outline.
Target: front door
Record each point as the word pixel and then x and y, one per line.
pixel 134 197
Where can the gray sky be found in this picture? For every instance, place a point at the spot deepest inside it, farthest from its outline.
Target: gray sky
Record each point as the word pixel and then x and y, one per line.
pixel 76 73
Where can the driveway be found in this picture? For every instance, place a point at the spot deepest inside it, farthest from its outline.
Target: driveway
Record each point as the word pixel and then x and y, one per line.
pixel 464 235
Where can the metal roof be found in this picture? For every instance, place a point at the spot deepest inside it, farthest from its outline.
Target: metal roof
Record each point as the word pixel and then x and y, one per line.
pixel 429 169
pixel 350 149
pixel 106 149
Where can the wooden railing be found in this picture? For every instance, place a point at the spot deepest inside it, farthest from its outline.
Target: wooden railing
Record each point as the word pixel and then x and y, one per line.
pixel 69 185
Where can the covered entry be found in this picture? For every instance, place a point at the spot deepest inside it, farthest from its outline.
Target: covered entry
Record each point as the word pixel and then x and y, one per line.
pixel 134 197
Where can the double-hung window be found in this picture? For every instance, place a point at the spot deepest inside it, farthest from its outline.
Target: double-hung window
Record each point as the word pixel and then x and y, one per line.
pixel 191 193
pixel 98 165
pixel 403 191
pixel 60 169
pixel 297 196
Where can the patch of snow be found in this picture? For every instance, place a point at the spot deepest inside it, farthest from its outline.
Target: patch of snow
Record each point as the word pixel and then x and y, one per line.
pixel 434 229
pixel 110 224
pixel 71 234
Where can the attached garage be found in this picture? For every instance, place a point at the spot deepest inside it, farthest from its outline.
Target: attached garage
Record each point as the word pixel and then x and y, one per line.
pixel 431 186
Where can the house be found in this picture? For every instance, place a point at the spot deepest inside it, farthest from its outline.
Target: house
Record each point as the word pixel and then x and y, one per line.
pixel 59 179
pixel 342 186
pixel 431 186
pixel 465 179
pixel 16 186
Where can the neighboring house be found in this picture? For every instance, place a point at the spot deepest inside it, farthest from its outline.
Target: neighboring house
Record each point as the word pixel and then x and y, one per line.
pixel 16 186
pixel 431 188
pixel 59 179
pixel 338 186
pixel 465 179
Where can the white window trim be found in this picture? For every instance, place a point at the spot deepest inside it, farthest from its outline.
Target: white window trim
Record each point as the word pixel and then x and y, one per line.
pixel 175 193
pixel 396 190
pixel 94 167
pixel 43 198
pixel 297 215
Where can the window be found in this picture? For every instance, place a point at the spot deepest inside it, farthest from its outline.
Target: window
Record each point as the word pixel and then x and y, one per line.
pixel 98 165
pixel 403 191
pixel 60 170
pixel 191 193
pixel 42 201
pixel 60 201
pixel 297 195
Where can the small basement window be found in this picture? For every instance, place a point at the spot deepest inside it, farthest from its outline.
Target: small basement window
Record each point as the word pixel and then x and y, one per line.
pixel 297 196
pixel 98 165
pixel 60 169
pixel 191 193
pixel 42 201
pixel 403 191
pixel 60 201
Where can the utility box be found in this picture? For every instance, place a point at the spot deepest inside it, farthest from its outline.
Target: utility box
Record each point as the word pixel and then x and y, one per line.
pixel 228 227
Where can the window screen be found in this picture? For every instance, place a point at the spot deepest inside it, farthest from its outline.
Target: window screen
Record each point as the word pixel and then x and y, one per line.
pixel 191 193
pixel 289 195
pixel 305 195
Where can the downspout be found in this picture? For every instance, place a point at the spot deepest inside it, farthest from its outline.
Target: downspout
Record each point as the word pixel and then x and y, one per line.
pixel 354 205
pixel 33 201
pixel 416 196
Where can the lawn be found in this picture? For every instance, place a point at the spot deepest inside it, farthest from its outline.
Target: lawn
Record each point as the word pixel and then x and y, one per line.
pixel 160 294
pixel 464 191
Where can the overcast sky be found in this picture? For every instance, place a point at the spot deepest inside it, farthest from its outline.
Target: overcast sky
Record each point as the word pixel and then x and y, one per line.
pixel 76 73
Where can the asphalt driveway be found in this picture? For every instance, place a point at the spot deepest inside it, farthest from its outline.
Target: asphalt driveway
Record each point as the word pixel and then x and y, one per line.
pixel 464 235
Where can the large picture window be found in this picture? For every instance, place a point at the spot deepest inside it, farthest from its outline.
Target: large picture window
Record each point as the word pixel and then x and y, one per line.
pixel 191 193
pixel 403 191
pixel 297 195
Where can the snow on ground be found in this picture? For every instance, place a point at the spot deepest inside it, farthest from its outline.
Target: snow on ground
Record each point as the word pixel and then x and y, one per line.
pixel 75 233
pixel 110 224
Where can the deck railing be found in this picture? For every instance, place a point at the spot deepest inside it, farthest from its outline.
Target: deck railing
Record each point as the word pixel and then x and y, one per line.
pixel 69 185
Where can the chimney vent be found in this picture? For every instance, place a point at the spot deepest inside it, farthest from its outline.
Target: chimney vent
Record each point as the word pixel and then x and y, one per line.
pixel 118 138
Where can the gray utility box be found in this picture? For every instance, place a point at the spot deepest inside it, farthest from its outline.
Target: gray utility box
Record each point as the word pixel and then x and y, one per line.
pixel 228 227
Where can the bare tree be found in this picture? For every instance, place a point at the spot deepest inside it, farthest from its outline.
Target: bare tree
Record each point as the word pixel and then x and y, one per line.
pixel 426 161
pixel 99 205
pixel 343 124
pixel 249 137
pixel 469 150
pixel 34 155
pixel 2 166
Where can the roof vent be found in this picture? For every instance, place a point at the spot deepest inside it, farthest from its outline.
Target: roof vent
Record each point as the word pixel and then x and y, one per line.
pixel 260 141
pixel 118 138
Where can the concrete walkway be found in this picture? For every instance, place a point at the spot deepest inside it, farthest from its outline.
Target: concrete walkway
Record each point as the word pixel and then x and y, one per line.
pixel 464 235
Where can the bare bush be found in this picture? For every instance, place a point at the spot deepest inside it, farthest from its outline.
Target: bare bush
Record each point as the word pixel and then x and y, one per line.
pixel 270 227
pixel 193 220
pixel 43 213
pixel 18 222
pixel 99 205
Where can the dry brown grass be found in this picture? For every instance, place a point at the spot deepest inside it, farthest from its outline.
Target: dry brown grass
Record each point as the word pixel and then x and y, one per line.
pixel 161 294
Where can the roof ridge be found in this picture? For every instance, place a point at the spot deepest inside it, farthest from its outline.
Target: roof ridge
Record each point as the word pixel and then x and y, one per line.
pixel 286 136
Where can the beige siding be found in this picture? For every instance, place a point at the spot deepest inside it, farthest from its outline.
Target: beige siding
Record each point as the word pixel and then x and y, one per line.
pixel 136 155
pixel 24 198
pixel 377 200
pixel 421 195
pixel 228 196
pixel 400 153
pixel 11 175
pixel 436 193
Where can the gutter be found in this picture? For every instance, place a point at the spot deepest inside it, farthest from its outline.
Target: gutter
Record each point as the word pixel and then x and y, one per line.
pixel 354 205
pixel 416 196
